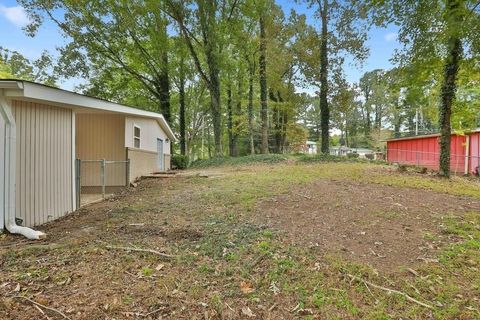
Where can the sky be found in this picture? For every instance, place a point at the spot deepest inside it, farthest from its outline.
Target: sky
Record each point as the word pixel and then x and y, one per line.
pixel 382 41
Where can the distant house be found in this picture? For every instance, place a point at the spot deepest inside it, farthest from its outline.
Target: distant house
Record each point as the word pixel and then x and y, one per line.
pixel 344 151
pixel 339 151
pixel 362 152
pixel 44 130
pixel 311 147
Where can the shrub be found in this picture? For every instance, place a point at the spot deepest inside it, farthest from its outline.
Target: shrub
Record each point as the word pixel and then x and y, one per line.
pixel 369 156
pixel 179 161
pixel 352 155
pixel 320 157
pixel 239 161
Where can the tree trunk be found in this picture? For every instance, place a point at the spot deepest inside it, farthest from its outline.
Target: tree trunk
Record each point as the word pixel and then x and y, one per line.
pixel 229 120
pixel 215 108
pixel 275 120
pixel 368 124
pixel 181 93
pixel 263 85
pixel 448 90
pixel 324 109
pixel 447 98
pixel 236 116
pixel 284 121
pixel 251 73
pixel 397 121
pixel 164 83
pixel 209 145
pixel 378 117
pixel 397 130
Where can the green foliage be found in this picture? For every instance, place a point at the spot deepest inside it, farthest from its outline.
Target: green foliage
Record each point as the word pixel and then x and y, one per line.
pixel 331 158
pixel 13 65
pixel 5 72
pixel 240 161
pixel 179 161
pixel 147 272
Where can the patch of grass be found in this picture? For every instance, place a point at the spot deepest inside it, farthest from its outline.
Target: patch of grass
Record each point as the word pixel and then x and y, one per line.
pixel 205 268
pixel 389 215
pixel 455 185
pixel 147 272
pixel 331 158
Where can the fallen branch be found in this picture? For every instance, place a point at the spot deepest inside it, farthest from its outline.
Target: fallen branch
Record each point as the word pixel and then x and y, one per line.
pixel 43 306
pixel 409 298
pixel 158 253
pixel 152 312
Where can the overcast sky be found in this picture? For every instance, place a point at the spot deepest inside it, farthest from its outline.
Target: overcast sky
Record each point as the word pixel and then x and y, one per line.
pixel 382 42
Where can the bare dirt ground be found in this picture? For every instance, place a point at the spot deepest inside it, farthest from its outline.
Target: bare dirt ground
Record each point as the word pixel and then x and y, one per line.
pixel 259 242
pixel 383 226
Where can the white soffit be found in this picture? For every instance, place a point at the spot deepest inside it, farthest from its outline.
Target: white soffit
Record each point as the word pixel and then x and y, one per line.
pixel 39 92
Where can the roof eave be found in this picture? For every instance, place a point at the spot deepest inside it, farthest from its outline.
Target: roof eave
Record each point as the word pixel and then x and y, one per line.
pixel 39 92
pixel 11 84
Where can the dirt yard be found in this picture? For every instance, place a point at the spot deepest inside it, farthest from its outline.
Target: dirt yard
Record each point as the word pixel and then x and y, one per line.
pixel 285 241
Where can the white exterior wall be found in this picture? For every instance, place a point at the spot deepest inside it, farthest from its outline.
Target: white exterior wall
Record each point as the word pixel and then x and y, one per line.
pixel 150 130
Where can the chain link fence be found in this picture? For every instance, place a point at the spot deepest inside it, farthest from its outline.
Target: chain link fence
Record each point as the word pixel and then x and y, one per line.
pixel 459 163
pixel 101 177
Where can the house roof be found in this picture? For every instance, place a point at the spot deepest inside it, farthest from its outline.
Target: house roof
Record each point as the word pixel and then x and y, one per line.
pixel 67 99
pixel 432 135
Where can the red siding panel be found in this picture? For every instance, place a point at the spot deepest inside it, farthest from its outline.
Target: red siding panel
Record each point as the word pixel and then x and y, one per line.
pixel 474 151
pixel 424 152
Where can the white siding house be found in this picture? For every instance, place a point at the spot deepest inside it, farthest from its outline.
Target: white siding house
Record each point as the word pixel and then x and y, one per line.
pixel 43 130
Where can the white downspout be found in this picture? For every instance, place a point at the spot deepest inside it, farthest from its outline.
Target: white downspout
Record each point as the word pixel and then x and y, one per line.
pixel 9 178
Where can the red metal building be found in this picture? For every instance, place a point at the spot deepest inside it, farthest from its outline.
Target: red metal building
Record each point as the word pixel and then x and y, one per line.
pixel 424 151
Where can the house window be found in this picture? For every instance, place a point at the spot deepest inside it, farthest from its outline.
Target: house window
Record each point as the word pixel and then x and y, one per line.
pixel 136 137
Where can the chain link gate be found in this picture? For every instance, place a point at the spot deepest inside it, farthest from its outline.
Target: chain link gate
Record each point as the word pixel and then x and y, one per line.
pixel 100 177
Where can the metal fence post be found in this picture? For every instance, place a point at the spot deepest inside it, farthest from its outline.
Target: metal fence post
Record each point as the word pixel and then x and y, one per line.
pixel 78 172
pixel 102 176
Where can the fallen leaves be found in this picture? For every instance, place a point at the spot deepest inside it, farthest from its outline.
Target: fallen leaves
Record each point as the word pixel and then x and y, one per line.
pixel 246 287
pixel 248 312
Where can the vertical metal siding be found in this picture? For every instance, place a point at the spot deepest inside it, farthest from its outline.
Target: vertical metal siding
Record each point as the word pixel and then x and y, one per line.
pixel 474 151
pixel 44 157
pixel 2 173
pixel 424 151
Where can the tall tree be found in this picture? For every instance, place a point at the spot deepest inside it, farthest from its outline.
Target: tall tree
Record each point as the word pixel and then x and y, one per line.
pixel 251 77
pixel 434 34
pixel 14 65
pixel 262 63
pixel 455 13
pixel 129 36
pixel 324 108
pixel 342 33
pixel 181 93
pixel 209 17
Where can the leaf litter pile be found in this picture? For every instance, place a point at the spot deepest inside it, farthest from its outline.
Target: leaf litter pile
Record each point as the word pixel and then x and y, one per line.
pixel 262 242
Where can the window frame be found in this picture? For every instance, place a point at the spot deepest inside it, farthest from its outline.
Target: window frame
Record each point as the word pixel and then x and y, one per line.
pixel 137 138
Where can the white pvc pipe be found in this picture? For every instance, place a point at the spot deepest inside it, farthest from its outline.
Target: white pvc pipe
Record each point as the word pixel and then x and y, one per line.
pixel 9 189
